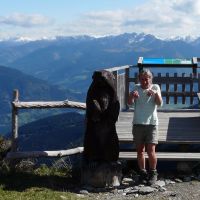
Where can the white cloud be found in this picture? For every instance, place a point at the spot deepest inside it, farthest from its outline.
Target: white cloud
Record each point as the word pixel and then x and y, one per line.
pixel 163 18
pixel 23 20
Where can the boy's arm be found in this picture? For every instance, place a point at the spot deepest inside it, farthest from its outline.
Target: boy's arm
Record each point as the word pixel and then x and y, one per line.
pixel 158 99
pixel 158 96
pixel 132 96
pixel 155 91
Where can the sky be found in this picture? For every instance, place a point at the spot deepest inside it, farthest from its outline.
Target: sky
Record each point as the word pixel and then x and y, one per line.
pixel 36 19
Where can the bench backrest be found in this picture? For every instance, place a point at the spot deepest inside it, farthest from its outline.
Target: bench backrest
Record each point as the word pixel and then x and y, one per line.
pixel 176 88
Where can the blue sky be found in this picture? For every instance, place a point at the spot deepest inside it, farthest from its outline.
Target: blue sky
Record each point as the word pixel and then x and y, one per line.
pixel 50 18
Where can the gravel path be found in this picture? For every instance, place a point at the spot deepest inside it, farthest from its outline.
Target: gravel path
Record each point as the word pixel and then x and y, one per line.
pixel 169 187
pixel 178 191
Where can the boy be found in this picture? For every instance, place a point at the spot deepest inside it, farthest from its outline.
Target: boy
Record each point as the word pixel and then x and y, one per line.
pixel 146 96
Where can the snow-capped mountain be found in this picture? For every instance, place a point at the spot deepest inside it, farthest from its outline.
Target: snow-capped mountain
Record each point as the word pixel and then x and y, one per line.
pixel 70 61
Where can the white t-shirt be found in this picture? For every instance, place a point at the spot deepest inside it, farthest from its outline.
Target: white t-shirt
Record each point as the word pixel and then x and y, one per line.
pixel 145 107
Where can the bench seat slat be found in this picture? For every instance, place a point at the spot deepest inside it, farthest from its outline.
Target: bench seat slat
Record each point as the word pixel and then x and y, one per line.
pixel 176 156
pixel 174 127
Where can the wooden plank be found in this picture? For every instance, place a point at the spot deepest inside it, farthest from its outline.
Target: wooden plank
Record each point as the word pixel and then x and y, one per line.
pixel 117 68
pixel 176 156
pixel 37 154
pixel 172 93
pixel 175 90
pixel 174 127
pixel 48 104
pixel 198 94
pixel 183 90
pixel 167 90
pixel 15 122
pixel 174 80
pixel 191 90
pixel 127 74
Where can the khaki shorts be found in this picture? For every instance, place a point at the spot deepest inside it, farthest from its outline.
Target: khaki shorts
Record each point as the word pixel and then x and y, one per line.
pixel 145 134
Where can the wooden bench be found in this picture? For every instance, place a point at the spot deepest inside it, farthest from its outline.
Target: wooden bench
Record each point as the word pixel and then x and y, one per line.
pixel 176 126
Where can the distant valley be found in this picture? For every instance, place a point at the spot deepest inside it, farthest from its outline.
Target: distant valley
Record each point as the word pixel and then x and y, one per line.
pixel 30 89
pixel 56 132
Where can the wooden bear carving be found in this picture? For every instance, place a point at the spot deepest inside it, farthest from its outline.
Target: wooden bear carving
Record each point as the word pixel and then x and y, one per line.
pixel 101 140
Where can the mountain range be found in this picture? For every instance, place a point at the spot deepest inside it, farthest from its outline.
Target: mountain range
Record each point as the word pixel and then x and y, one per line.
pixel 70 61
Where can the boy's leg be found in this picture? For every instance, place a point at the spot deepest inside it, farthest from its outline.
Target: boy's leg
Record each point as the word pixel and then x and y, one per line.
pixel 141 156
pixel 152 164
pixel 151 151
pixel 141 163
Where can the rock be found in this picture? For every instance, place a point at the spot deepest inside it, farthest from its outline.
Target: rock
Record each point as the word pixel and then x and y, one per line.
pixel 173 194
pixel 160 183
pixel 132 191
pixel 115 191
pixel 136 195
pixel 162 189
pixel 168 181
pixel 146 190
pixel 127 189
pixel 83 192
pixel 178 180
pixel 127 180
pixel 120 191
pixel 187 179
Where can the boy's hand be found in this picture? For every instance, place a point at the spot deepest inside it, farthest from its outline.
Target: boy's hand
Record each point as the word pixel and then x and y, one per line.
pixel 135 94
pixel 151 92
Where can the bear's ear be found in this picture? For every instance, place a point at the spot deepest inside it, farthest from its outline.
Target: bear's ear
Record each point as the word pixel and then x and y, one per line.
pixel 96 74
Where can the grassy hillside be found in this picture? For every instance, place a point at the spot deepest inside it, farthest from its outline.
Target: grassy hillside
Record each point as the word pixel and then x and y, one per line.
pixel 40 184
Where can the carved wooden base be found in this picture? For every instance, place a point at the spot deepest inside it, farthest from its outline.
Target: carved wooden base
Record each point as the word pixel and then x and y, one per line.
pixel 98 174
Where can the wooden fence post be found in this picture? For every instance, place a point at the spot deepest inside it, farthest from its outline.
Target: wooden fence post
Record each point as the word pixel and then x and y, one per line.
pixel 15 122
pixel 127 71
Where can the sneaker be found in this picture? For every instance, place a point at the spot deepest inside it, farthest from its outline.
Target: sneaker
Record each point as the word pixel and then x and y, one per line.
pixel 153 176
pixel 143 176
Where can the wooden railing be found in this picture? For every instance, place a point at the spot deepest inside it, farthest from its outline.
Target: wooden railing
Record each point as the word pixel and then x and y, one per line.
pixel 122 83
pixel 16 105
pixel 175 88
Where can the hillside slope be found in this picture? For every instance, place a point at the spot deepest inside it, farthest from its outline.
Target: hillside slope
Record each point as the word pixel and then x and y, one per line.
pixel 30 89
pixel 53 133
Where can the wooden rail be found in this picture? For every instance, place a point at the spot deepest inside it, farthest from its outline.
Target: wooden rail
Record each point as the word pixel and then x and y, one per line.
pixel 176 88
pixel 121 74
pixel 16 105
pixel 37 154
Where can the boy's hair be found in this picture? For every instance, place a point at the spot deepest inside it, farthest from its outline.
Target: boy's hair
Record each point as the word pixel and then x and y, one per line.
pixel 146 72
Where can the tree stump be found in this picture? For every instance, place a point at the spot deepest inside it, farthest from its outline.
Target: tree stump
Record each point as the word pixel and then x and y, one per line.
pixel 101 174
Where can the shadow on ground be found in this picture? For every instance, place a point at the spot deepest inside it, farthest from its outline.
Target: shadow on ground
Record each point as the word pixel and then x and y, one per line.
pixel 22 181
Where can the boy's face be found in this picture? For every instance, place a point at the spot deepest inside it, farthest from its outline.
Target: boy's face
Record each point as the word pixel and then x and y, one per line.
pixel 145 81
